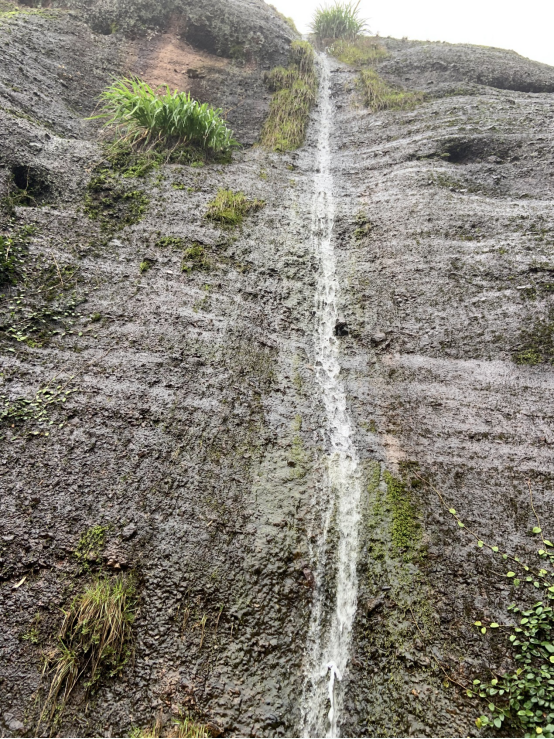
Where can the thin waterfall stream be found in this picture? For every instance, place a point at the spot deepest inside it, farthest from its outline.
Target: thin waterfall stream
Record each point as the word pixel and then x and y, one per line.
pixel 331 623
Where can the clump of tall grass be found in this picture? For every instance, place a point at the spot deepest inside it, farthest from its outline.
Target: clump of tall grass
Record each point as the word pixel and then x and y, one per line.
pixel 229 208
pixel 360 52
pixel 378 95
pixel 341 20
pixel 144 116
pixel 94 640
pixel 294 93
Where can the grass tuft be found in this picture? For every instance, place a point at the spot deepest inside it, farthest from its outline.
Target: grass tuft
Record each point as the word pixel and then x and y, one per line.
pixel 294 89
pixel 144 116
pixel 183 728
pixel 229 208
pixel 379 95
pixel 361 52
pixel 339 21
pixel 94 640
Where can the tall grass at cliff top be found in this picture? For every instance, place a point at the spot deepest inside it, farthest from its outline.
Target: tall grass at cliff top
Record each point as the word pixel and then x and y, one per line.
pixel 143 116
pixel 341 20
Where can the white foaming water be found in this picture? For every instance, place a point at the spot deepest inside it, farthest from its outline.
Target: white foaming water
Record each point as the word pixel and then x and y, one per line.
pixel 330 635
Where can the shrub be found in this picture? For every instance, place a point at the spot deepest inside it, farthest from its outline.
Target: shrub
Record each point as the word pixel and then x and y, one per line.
pixel 379 95
pixel 144 116
pixel 361 52
pixel 229 208
pixel 339 21
pixel 294 90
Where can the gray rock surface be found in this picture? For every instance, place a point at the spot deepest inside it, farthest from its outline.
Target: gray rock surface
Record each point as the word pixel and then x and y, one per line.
pixel 196 432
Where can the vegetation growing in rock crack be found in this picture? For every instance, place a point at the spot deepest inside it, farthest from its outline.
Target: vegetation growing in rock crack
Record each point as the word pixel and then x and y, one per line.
pixel 378 95
pixel 94 641
pixel 143 115
pixel 341 20
pixel 522 700
pixel 294 93
pixel 229 208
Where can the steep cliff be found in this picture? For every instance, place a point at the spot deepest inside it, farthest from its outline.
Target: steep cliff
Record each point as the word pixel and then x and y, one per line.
pixel 161 413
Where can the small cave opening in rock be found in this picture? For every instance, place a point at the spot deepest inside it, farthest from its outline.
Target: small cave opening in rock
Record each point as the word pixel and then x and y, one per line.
pixel 341 328
pixel 31 185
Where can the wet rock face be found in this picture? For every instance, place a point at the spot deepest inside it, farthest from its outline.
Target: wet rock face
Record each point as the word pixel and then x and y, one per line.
pixel 195 435
pixel 424 65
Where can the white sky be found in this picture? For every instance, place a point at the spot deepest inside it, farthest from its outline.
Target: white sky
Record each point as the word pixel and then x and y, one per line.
pixel 526 26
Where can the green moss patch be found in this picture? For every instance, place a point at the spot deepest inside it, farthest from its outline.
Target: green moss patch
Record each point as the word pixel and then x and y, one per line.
pixel 294 93
pixel 537 343
pixel 229 208
pixel 405 529
pixel 107 200
pixel 91 545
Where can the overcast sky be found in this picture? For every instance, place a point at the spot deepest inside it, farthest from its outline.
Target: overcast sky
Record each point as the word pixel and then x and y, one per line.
pixel 526 26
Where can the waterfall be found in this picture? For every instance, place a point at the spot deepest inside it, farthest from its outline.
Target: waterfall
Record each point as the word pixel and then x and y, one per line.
pixel 330 632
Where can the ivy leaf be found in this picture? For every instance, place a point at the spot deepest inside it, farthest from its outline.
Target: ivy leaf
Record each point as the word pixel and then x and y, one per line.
pixel 537 529
pixel 494 549
pixel 491 706
pixel 480 543
pixel 477 623
pixel 493 626
pixel 484 631
pixel 552 658
pixel 516 581
pixel 452 511
pixel 548 543
pixel 497 723
pixel 461 525
pixel 510 574
pixel 549 647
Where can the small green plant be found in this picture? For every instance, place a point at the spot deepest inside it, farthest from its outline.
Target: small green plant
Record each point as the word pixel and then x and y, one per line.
pixel 229 208
pixel 361 52
pixel 378 95
pixel 25 411
pixel 294 92
pixel 145 265
pixel 523 698
pixel 341 20
pixel 183 727
pixel 91 545
pixel 142 115
pixel 94 640
pixel 32 635
pixel 195 257
pixel 171 241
